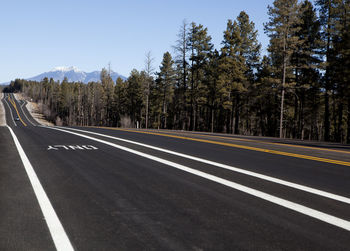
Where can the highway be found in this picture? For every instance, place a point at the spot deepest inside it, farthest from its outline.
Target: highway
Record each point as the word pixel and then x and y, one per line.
pixel 97 188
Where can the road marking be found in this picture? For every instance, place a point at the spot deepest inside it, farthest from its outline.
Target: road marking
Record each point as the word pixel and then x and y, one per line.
pixel 12 101
pixel 24 102
pixel 14 105
pixel 10 111
pixel 251 140
pixel 330 219
pixel 72 147
pixel 231 168
pixel 295 155
pixel 57 232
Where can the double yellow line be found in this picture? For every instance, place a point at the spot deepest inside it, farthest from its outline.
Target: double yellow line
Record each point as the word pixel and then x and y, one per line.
pixel 295 155
pixel 268 143
pixel 13 103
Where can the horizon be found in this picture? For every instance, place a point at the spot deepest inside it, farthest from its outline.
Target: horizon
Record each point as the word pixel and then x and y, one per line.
pixel 61 69
pixel 89 36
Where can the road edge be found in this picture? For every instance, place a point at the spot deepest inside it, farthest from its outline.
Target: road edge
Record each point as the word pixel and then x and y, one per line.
pixel 56 229
pixel 2 111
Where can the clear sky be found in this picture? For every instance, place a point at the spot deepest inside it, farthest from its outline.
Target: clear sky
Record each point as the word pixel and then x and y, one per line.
pixel 36 36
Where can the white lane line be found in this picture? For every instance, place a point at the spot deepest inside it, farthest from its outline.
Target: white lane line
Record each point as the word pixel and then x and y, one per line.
pixel 330 219
pixel 231 168
pixel 57 232
pixel 24 102
pixel 10 112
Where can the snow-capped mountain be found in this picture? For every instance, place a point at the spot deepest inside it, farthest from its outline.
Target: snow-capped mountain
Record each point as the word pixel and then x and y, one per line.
pixel 73 74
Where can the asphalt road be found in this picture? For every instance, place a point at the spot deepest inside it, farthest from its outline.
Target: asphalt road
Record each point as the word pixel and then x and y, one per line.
pixel 90 188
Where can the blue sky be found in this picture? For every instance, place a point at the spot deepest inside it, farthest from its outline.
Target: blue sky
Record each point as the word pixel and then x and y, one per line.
pixel 36 36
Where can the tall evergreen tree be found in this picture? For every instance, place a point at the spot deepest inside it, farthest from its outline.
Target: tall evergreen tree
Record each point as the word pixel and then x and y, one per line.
pixel 199 43
pixel 149 80
pixel 282 28
pixel 135 94
pixel 329 14
pixel 239 61
pixel 214 89
pixel 233 68
pixel 306 60
pixel 107 95
pixel 181 49
pixel 165 86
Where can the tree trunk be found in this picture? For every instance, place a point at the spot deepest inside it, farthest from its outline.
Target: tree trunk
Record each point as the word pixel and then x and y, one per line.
pixel 233 121
pixel 295 130
pixel 236 127
pixel 147 108
pixel 326 114
pixel 339 137
pixel 327 87
pixel 283 83
pixel 194 117
pixel 212 119
pixel 348 129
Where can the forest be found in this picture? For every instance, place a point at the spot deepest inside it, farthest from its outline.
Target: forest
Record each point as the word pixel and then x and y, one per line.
pixel 300 89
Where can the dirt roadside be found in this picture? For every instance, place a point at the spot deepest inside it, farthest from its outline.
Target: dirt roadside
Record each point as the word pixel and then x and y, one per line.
pixel 34 110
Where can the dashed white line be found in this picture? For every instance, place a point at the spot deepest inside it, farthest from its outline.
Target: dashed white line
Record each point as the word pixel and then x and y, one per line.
pixel 330 219
pixel 57 232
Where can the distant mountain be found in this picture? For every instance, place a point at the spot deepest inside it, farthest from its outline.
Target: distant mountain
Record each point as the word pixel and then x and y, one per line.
pixel 73 75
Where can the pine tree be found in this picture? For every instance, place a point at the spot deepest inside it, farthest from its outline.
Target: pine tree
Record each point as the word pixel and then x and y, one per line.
pixel 250 52
pixel 149 80
pixel 134 92
pixel 199 43
pixel 239 61
pixel 329 15
pixel 264 103
pixel 233 68
pixel 214 89
pixel 282 28
pixel 345 60
pixel 341 68
pixel 181 49
pixel 165 87
pixel 107 95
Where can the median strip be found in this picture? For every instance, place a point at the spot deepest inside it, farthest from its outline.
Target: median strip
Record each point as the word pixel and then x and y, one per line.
pixel 341 223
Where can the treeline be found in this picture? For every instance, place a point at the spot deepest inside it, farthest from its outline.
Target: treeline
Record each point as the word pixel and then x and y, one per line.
pixel 300 89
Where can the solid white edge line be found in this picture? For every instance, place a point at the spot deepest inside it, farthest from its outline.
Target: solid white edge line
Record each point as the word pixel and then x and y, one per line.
pixel 13 120
pixel 231 168
pixel 24 102
pixel 56 229
pixel 330 219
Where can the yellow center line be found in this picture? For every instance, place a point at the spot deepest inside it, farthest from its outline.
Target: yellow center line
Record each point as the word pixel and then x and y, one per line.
pixel 295 155
pixel 277 144
pixel 262 142
pixel 14 105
